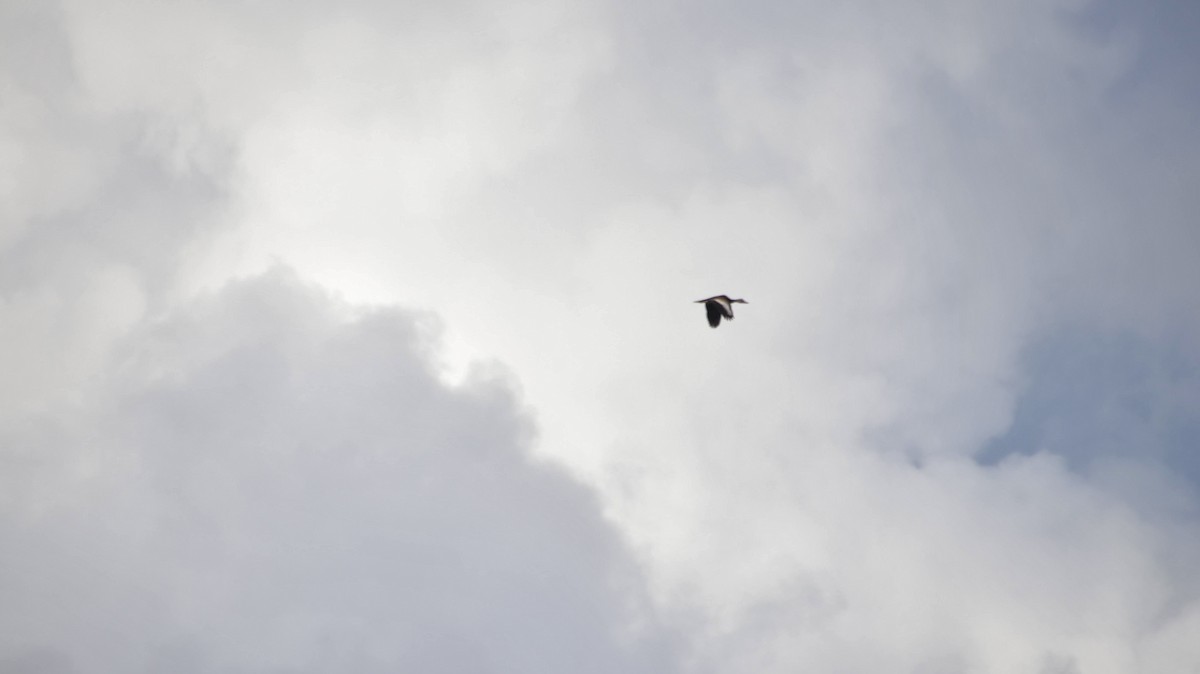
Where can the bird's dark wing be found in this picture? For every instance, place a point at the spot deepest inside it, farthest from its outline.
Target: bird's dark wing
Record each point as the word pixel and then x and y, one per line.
pixel 715 312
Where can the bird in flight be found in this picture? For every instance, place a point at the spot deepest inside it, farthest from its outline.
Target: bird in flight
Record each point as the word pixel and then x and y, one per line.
pixel 718 307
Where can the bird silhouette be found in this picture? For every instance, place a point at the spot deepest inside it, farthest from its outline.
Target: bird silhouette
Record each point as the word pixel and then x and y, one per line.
pixel 719 307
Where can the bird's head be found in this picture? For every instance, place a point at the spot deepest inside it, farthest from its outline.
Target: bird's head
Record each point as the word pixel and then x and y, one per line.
pixel 738 302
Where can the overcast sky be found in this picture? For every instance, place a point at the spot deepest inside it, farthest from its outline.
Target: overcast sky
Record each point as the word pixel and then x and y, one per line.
pixel 359 336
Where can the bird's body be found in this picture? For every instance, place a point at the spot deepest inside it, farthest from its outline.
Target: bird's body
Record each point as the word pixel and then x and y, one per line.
pixel 719 307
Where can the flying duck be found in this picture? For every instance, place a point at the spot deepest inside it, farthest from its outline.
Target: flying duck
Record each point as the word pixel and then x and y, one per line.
pixel 720 306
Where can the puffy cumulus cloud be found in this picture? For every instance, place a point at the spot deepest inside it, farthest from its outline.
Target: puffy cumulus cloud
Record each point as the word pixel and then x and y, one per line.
pixel 953 431
pixel 261 479
pixel 268 480
pixel 964 234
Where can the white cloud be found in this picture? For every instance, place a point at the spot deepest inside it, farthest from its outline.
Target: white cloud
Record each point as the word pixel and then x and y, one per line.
pixel 267 480
pixel 916 200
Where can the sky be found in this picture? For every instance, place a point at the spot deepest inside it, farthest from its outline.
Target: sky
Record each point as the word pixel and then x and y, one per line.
pixel 361 337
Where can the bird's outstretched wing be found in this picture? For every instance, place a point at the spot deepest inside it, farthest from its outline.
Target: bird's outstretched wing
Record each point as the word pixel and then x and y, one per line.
pixel 717 310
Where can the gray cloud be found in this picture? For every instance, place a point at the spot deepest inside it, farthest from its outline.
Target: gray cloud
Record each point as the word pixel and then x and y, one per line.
pixel 952 431
pixel 270 483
